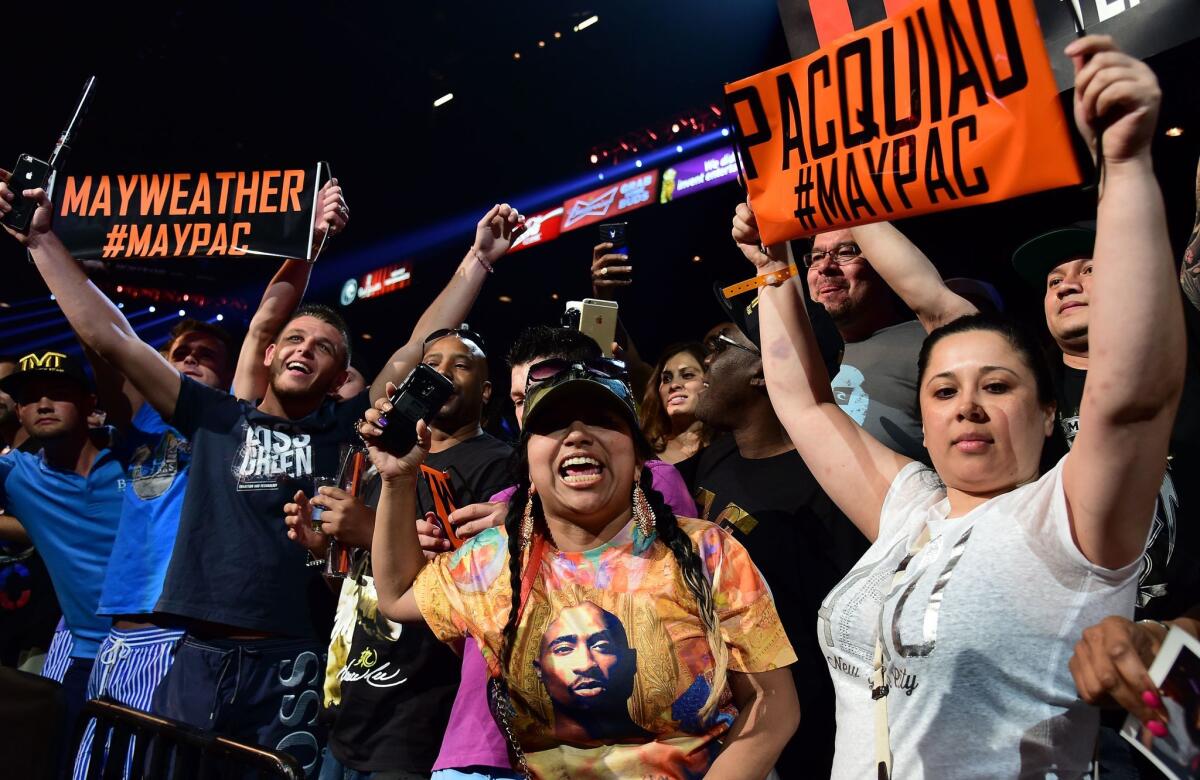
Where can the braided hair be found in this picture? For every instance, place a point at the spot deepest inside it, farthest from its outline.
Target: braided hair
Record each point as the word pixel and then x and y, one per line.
pixel 668 532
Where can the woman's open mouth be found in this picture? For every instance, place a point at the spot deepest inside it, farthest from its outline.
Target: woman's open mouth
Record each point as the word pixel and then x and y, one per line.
pixel 580 471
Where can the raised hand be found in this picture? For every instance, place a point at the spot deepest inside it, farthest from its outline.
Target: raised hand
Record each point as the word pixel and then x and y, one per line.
pixel 1115 95
pixel 332 212
pixel 392 466
pixel 745 235
pixel 297 515
pixel 496 232
pixel 42 216
pixel 609 271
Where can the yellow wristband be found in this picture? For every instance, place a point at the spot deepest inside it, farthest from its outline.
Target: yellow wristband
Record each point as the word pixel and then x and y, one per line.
pixel 772 279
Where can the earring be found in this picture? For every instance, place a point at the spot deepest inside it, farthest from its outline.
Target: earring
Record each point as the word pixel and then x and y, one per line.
pixel 527 522
pixel 643 513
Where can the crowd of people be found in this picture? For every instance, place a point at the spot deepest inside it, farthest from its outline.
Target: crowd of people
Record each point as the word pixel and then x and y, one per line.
pixel 989 541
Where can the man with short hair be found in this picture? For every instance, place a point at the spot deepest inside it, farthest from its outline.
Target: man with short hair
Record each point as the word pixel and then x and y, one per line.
pixel 871 301
pixel 752 481
pixel 396 684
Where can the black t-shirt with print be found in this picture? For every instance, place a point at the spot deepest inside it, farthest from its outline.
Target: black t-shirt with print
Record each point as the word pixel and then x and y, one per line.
pixel 803 546
pixel 232 563
pixel 399 681
pixel 1169 582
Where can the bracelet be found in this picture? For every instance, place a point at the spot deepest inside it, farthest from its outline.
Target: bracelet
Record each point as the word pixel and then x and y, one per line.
pixel 482 260
pixel 772 279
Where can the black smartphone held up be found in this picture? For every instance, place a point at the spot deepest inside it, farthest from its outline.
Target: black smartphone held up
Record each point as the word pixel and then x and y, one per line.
pixel 617 233
pixel 419 397
pixel 29 173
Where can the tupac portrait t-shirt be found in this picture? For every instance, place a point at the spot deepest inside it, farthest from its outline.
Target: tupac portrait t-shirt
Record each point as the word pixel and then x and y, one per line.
pixel 611 664
pixel 877 387
pixel 232 563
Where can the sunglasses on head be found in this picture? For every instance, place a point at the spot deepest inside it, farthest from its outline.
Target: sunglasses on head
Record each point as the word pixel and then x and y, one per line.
pixel 545 370
pixel 464 333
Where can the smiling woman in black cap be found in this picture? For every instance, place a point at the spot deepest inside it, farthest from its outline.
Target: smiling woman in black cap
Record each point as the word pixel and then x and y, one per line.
pixel 621 640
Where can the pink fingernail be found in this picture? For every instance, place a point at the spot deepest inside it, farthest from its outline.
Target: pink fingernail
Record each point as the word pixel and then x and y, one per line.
pixel 1156 728
pixel 1151 699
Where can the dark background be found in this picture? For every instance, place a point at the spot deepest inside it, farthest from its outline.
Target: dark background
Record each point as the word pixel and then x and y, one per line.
pixel 224 86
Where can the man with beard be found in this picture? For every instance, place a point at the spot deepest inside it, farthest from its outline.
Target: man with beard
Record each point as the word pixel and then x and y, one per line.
pixel 68 499
pixel 752 481
pixel 249 665
pixel 872 302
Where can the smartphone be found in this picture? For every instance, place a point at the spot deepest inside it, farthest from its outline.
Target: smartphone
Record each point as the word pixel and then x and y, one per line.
pixel 617 234
pixel 28 174
pixel 598 319
pixel 419 397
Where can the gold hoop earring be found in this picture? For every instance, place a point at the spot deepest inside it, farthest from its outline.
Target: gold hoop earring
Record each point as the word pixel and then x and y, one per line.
pixel 643 513
pixel 527 522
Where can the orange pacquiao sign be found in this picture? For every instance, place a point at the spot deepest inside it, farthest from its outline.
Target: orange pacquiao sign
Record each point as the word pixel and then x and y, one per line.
pixel 948 103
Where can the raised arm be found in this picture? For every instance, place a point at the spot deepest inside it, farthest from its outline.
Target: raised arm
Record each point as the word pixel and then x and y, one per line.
pixel 907 270
pixel 99 323
pixel 1189 271
pixel 610 277
pixel 1136 340
pixel 396 556
pixel 282 296
pixel 850 464
pixel 494 234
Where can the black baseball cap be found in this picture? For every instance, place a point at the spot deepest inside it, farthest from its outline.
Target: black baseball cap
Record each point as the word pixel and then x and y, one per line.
pixel 743 310
pixel 1038 256
pixel 587 384
pixel 46 363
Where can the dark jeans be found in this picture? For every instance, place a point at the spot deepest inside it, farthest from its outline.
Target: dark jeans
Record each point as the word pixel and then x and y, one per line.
pixel 261 691
pixel 332 769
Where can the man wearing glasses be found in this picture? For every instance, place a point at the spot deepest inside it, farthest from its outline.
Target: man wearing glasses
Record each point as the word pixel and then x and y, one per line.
pixel 752 481
pixel 877 381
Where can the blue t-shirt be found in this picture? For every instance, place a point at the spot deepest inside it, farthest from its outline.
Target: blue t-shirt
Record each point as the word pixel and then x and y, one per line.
pixel 158 472
pixel 72 521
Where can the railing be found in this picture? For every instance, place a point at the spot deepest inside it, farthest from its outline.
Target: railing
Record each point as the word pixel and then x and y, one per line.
pixel 167 750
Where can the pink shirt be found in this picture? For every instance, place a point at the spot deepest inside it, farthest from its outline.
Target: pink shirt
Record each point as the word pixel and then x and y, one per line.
pixel 472 737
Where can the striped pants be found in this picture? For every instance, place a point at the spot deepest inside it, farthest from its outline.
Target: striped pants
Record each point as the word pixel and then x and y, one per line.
pixel 58 657
pixel 129 666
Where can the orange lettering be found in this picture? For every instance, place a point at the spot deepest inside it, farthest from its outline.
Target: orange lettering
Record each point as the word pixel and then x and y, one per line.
pixel 154 194
pixel 293 185
pixel 181 234
pixel 239 229
pixel 76 200
pixel 224 178
pixel 200 204
pixel 127 187
pixel 178 193
pixel 196 240
pixel 268 191
pixel 139 240
pixel 220 242
pixel 102 203
pixel 243 193
pixel 161 243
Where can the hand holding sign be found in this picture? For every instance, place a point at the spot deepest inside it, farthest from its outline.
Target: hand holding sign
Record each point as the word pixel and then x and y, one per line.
pixel 1116 95
pixel 41 217
pixel 497 231
pixel 332 211
pixel 745 235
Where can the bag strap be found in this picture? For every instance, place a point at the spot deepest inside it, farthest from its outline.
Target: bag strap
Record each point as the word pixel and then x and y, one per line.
pixel 879 686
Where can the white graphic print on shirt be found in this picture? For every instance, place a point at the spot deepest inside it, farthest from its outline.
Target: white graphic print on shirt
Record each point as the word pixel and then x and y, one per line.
pixel 271 454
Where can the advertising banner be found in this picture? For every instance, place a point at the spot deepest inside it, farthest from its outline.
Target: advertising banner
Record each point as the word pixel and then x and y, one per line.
pixel 698 173
pixel 379 282
pixel 609 201
pixel 539 229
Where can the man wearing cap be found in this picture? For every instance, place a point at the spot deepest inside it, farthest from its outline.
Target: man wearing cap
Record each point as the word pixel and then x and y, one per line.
pixel 1059 264
pixel 68 498
pixel 752 481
